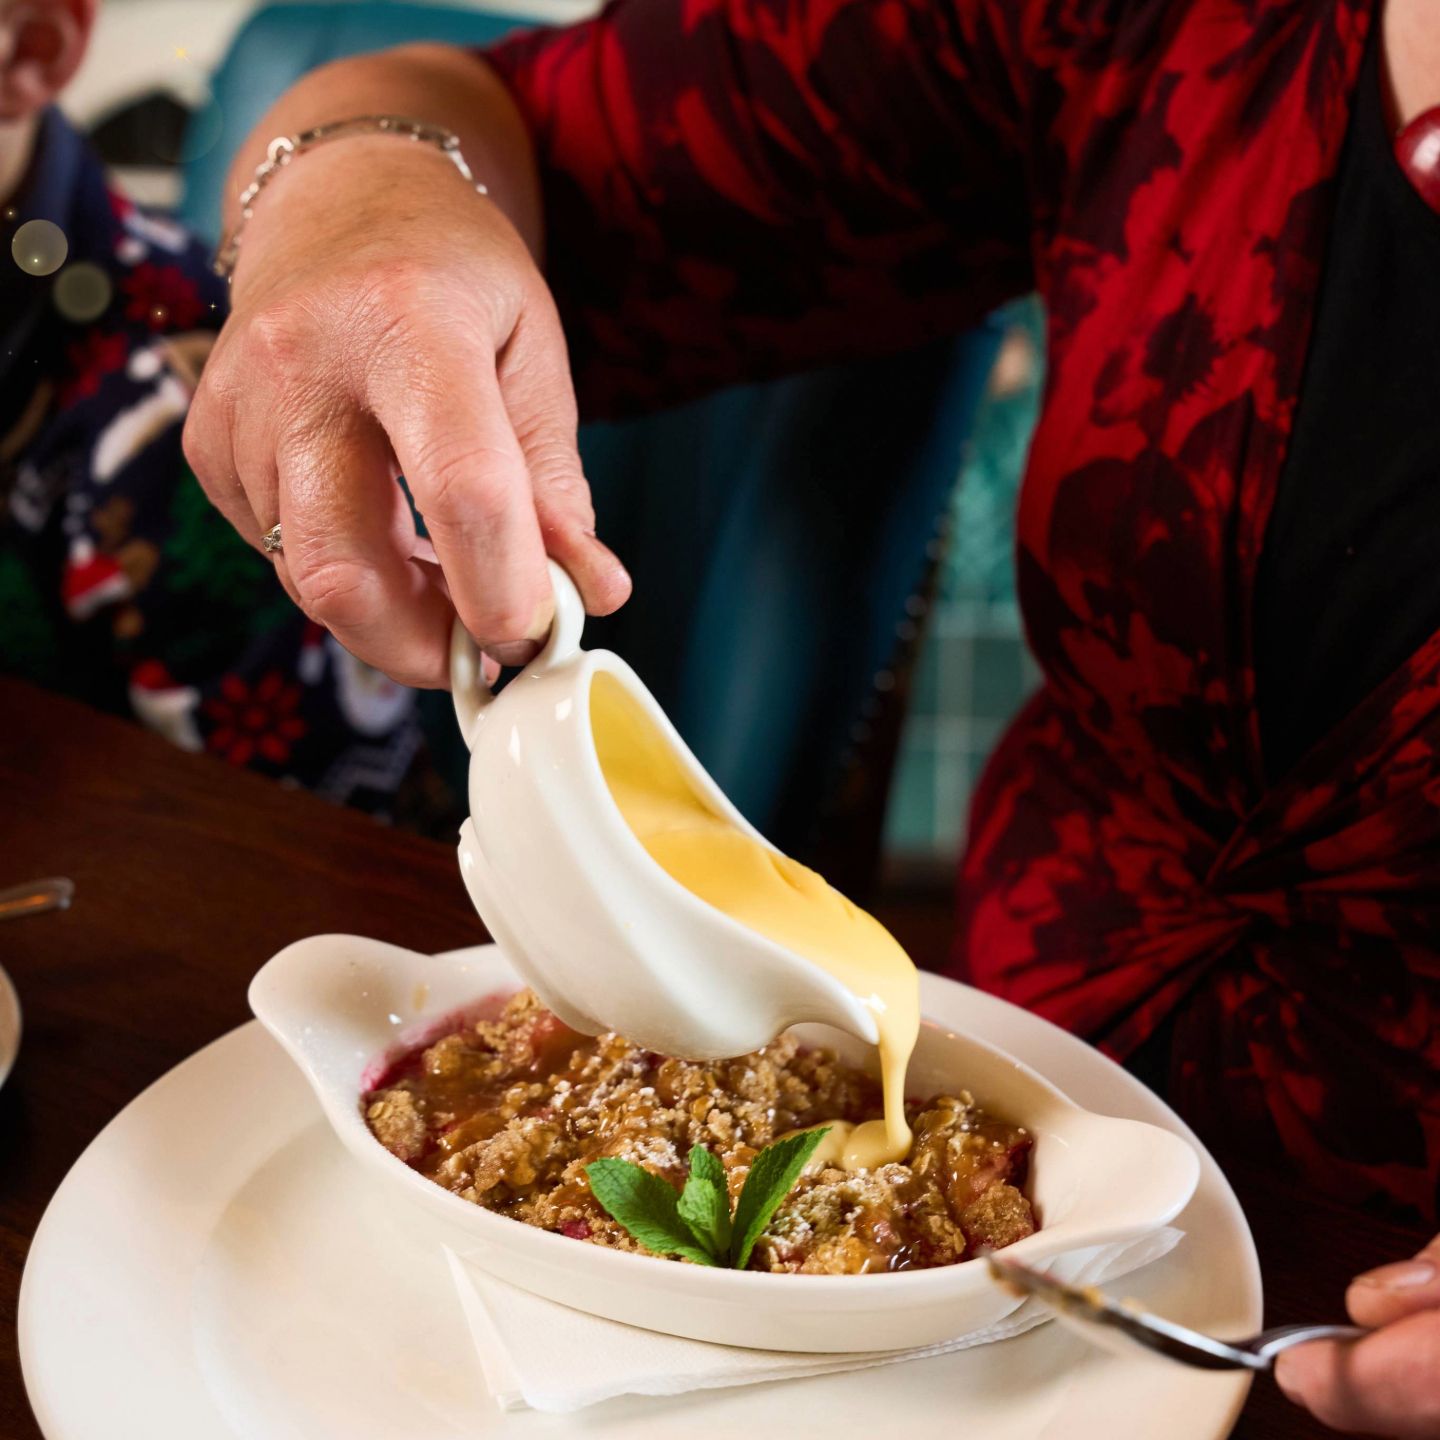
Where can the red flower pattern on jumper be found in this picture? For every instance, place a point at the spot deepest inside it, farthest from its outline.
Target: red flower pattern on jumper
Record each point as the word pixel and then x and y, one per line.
pixel 90 361
pixel 163 297
pixel 765 184
pixel 259 720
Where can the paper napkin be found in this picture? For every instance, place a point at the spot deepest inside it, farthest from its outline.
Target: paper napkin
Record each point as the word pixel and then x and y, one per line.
pixel 544 1356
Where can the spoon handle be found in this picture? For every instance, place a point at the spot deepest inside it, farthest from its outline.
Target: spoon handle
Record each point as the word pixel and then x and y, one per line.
pixel 1269 1344
pixel 36 897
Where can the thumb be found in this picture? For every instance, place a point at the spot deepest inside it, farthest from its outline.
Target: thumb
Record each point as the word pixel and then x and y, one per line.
pixel 534 376
pixel 1382 1296
pixel 1386 1384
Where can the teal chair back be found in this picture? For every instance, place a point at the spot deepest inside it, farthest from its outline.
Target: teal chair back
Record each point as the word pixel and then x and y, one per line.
pixel 775 531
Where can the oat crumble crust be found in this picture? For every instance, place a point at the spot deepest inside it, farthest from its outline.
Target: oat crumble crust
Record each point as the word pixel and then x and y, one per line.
pixel 506 1113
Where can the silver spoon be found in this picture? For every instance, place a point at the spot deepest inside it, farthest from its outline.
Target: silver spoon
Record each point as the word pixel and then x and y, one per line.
pixel 1102 1319
pixel 36 897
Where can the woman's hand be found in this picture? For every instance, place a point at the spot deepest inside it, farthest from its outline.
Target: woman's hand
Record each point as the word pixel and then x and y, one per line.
pixel 1389 1382
pixel 389 320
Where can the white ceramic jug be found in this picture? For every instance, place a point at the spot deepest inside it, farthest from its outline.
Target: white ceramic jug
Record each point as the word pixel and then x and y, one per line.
pixel 605 936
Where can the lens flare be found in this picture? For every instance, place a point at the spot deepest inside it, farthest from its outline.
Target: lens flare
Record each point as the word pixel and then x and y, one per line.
pixel 39 247
pixel 82 293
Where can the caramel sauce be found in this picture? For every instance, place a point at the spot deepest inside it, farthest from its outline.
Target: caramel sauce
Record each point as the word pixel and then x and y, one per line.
pixel 507 1113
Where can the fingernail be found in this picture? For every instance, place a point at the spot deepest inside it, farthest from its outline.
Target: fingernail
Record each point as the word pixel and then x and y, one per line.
pixel 541 621
pixel 512 656
pixel 1403 1275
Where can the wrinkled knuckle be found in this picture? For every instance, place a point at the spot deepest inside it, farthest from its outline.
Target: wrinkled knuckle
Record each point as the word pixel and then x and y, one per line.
pixel 223 388
pixel 408 355
pixel 538 373
pixel 310 420
pixel 399 284
pixel 195 440
pixel 400 300
pixel 205 441
pixel 463 490
pixel 341 594
pixel 277 340
pixel 551 454
pixel 450 488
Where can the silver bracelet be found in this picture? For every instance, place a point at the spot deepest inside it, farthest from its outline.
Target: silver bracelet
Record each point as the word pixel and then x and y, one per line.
pixel 286 148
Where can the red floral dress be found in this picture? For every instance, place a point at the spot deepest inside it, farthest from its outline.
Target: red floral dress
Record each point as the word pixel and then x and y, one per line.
pixel 757 185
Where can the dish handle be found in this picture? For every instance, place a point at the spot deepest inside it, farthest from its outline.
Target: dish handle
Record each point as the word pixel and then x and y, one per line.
pixel 1147 1179
pixel 467 666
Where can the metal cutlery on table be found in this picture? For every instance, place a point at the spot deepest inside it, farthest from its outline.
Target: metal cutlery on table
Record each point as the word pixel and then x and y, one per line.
pixel 1101 1319
pixel 36 897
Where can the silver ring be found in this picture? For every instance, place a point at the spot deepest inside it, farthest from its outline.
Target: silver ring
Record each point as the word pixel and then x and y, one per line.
pixel 271 541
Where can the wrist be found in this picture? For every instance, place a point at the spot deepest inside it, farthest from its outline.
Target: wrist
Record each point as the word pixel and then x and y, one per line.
pixel 343 201
pixel 285 152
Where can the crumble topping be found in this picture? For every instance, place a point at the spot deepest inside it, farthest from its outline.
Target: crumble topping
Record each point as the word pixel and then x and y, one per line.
pixel 506 1113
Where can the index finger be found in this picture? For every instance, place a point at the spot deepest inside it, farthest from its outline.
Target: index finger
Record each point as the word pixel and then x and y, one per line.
pixel 467 472
pixel 348 550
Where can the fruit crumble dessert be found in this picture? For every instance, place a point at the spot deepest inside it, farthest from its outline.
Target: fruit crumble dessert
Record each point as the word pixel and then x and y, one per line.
pixel 507 1113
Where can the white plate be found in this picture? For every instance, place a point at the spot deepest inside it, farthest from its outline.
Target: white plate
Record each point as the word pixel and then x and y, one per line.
pixel 215 1265
pixel 9 1025
pixel 338 1003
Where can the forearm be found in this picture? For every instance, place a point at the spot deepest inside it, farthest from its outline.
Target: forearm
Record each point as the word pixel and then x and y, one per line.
pixel 436 84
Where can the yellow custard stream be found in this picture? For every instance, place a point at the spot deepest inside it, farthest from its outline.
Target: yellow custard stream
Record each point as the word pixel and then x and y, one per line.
pixel 769 893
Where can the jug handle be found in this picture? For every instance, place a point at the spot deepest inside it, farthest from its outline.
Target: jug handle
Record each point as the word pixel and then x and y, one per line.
pixel 467 673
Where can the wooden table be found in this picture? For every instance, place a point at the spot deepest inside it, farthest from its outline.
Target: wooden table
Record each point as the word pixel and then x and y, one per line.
pixel 189 874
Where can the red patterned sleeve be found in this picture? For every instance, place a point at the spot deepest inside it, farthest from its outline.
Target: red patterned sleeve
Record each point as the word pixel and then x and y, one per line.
pixel 739 188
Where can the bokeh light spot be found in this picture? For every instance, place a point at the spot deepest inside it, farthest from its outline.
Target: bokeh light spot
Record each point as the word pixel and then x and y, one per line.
pixel 39 247
pixel 82 293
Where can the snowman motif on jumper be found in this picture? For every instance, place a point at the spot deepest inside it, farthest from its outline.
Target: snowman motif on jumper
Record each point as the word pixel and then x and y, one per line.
pixel 141 424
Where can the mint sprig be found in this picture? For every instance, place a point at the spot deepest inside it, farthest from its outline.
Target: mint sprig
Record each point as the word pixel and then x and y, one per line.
pixel 705 1202
pixel 646 1206
pixel 777 1167
pixel 696 1222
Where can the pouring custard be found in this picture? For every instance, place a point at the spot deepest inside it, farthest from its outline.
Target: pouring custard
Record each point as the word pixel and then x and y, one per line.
pixel 771 894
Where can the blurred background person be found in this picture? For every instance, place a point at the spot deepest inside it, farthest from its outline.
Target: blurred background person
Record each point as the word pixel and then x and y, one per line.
pixel 117 584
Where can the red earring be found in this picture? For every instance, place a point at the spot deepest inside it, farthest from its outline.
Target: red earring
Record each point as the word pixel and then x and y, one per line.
pixel 1417 148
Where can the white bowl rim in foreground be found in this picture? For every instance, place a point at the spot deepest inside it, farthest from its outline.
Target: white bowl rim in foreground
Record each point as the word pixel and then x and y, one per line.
pixel 340 1005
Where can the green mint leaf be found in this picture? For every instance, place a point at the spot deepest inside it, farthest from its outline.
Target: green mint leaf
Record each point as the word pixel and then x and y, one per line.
pixel 646 1206
pixel 705 1204
pixel 776 1169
